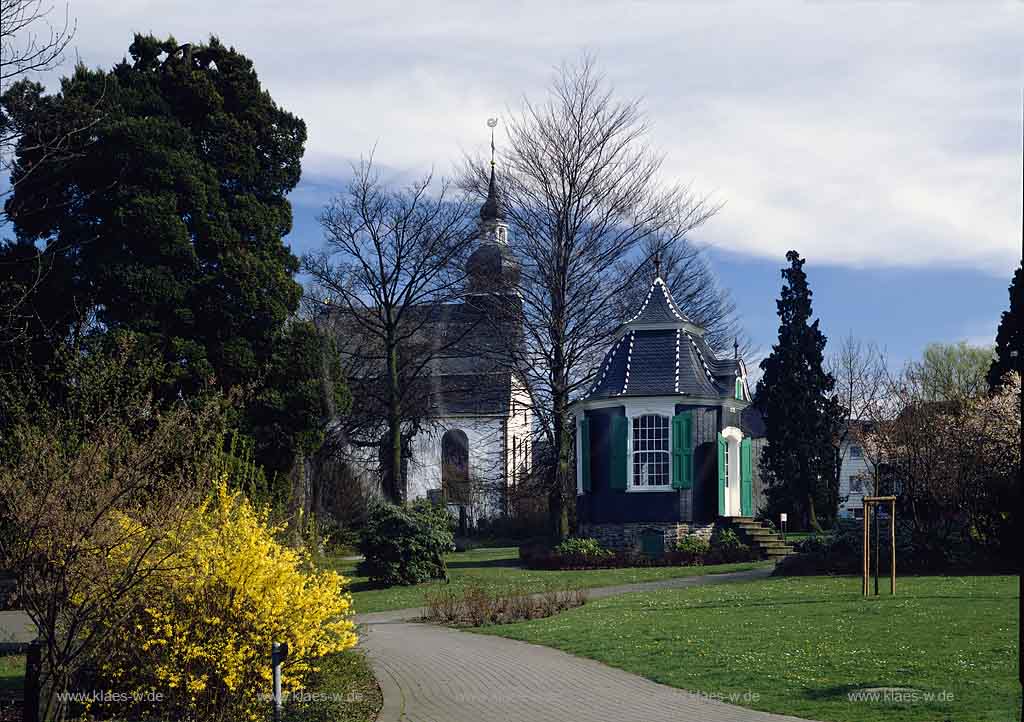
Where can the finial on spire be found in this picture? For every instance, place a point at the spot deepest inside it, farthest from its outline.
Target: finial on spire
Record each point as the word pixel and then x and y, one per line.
pixel 736 347
pixel 491 123
pixel 657 263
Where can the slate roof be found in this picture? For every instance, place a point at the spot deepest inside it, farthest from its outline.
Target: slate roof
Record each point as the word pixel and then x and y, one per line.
pixel 661 352
pixel 658 307
pixel 481 394
pixel 466 372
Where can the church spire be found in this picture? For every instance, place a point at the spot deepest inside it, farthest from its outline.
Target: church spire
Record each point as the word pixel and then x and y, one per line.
pixel 491 211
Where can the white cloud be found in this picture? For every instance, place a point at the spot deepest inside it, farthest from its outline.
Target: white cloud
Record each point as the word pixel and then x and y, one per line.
pixel 860 134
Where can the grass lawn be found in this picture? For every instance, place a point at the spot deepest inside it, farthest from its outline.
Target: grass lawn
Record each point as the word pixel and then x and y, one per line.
pixel 804 645
pixel 498 570
pixel 12 672
pixel 347 690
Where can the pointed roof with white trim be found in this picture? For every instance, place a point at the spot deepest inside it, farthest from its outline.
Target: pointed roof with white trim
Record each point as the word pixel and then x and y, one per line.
pixel 658 307
pixel 661 352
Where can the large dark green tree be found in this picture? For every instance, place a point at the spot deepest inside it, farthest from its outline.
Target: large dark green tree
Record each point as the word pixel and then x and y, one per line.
pixel 1010 337
pixel 166 219
pixel 801 413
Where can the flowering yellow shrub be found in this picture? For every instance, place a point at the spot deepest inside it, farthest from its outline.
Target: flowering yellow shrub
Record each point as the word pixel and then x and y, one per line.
pixel 203 637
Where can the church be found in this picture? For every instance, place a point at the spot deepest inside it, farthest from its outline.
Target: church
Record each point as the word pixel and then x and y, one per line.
pixel 475 445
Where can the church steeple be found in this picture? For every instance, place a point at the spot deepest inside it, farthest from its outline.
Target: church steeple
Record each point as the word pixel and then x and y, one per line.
pixel 491 267
pixel 491 209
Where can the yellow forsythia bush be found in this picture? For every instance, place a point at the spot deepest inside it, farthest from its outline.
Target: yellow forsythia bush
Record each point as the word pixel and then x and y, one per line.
pixel 203 636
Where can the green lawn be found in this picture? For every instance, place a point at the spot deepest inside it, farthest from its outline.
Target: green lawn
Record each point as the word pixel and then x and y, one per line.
pixel 498 570
pixel 12 672
pixel 804 645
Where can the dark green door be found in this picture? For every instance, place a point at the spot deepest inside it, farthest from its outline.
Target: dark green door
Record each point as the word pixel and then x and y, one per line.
pixel 746 479
pixel 652 543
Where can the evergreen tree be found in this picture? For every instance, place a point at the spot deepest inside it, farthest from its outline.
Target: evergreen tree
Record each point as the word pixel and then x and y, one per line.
pixel 165 219
pixel 1010 336
pixel 801 414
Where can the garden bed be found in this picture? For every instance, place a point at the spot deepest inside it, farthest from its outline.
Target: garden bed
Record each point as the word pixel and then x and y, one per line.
pixel 475 606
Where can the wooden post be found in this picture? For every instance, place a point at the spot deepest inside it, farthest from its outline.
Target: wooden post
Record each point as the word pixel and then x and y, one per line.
pixel 33 666
pixel 875 508
pixel 892 546
pixel 869 503
pixel 866 543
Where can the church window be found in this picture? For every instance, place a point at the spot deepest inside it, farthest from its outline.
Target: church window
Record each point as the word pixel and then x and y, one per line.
pixel 455 465
pixel 651 451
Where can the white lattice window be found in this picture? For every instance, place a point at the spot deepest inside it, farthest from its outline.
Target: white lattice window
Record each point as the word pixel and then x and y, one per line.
pixel 651 457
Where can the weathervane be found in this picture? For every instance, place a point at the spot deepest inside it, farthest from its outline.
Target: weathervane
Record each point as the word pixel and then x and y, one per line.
pixel 491 123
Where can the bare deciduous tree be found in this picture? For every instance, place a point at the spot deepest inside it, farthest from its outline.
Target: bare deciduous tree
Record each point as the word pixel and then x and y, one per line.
pixel 391 261
pixel 581 191
pixel 92 481
pixel 862 379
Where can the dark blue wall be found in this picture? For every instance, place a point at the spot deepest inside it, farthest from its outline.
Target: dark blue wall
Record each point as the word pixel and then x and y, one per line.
pixel 603 504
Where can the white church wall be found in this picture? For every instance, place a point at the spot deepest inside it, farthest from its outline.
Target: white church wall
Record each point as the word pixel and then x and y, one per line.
pixel 486 456
pixel 519 433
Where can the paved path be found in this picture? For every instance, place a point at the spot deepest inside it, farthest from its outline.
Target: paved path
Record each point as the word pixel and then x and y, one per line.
pixel 430 673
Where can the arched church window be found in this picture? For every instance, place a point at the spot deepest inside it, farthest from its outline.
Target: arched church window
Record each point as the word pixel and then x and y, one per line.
pixel 651 451
pixel 455 464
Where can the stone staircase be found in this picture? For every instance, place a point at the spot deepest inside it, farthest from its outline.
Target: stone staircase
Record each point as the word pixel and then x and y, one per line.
pixel 760 537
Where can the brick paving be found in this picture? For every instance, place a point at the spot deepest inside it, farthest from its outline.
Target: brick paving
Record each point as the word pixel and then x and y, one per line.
pixel 430 673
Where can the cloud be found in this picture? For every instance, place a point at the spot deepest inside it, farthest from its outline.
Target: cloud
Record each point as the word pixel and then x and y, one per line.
pixel 864 134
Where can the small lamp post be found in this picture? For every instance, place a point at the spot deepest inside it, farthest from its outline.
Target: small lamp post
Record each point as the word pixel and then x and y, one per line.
pixel 782 524
pixel 278 653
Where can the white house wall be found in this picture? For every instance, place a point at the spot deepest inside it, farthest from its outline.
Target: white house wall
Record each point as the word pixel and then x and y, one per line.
pixel 853 467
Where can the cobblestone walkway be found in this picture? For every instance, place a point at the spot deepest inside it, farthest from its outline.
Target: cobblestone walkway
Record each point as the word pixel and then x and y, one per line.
pixel 435 674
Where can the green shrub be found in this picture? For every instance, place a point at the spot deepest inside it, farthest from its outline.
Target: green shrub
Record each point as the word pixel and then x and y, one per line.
pixel 582 547
pixel 692 548
pixel 726 547
pixel 405 544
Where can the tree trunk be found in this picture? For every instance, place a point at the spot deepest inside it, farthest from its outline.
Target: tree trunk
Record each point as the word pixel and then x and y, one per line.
pixel 812 517
pixel 299 501
pixel 394 486
pixel 563 472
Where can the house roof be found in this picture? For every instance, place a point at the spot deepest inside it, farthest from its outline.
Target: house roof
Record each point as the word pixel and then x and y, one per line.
pixel 658 307
pixel 661 352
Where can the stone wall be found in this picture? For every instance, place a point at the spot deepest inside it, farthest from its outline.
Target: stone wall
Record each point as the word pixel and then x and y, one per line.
pixel 626 537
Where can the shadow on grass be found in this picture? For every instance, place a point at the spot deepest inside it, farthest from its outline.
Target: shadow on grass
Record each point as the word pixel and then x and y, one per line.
pixel 485 564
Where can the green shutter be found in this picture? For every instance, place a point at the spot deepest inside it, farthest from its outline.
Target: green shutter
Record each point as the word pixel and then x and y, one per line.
pixel 682 451
pixel 746 479
pixel 620 431
pixel 739 389
pixel 723 448
pixel 585 454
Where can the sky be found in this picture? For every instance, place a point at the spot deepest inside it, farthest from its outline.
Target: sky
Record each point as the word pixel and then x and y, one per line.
pixel 880 140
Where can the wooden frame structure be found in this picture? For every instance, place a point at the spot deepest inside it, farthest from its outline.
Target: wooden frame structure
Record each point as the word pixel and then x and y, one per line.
pixel 872 503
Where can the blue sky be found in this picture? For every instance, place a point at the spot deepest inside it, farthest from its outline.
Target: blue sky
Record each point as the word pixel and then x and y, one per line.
pixel 881 140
